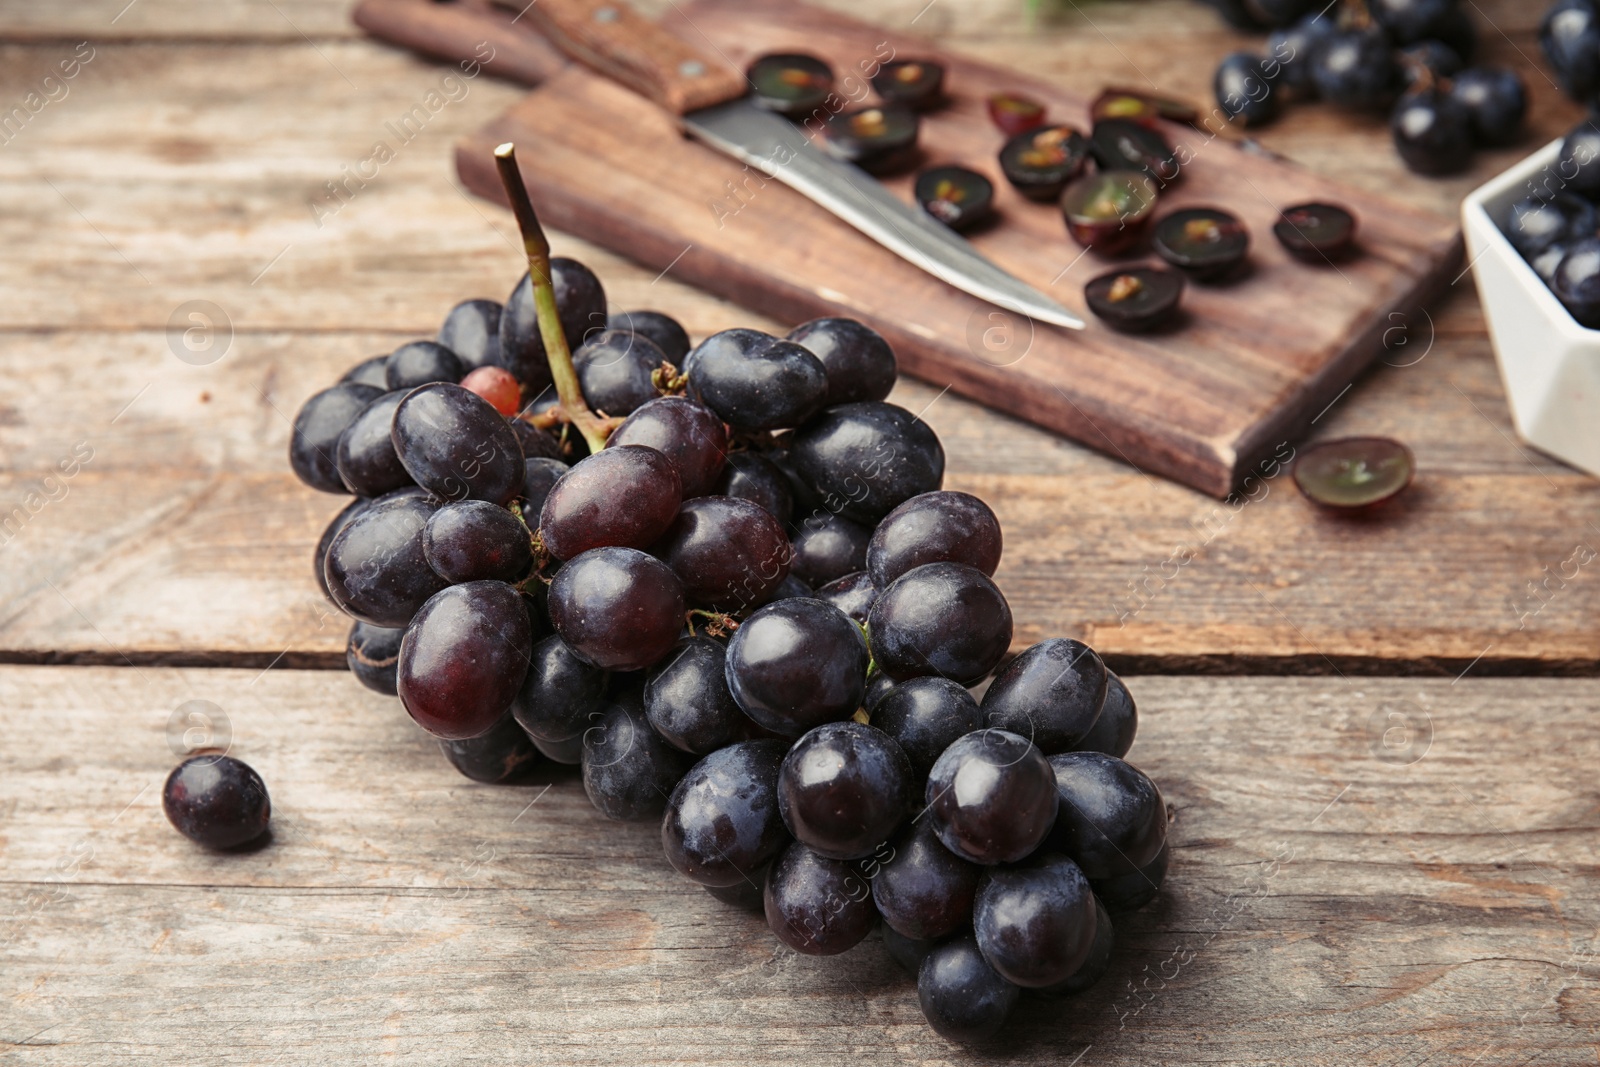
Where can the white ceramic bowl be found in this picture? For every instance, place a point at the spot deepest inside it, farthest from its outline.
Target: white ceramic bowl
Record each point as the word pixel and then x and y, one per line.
pixel 1549 363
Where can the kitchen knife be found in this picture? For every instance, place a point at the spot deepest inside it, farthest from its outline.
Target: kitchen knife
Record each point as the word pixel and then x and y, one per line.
pixel 711 99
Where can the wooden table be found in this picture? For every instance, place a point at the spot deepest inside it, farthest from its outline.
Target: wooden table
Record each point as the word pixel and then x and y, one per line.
pixel 1384 853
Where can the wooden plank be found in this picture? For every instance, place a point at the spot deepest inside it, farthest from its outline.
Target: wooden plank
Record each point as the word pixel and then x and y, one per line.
pixel 1426 900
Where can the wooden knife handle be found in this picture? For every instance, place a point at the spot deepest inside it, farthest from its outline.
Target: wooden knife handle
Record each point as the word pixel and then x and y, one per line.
pixel 611 37
pixel 466 31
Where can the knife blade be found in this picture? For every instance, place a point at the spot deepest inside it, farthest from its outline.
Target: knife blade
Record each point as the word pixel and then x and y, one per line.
pixel 710 99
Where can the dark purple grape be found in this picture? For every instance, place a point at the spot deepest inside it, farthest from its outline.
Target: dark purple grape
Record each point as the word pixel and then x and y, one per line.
pixel 539 477
pixel 827 547
pixel 615 369
pixel 992 797
pixel 908 952
pixel 537 443
pixel 1432 132
pixel 368 372
pixel 1245 89
pixel 1579 167
pixel 420 362
pixel 1051 694
pixel 687 701
pixel 472 540
pixel 568 753
pixel 878 687
pixel 806 499
pixel 1113 731
pixel 797 664
pixel 628 770
pixel 941 618
pixel 1535 225
pixel 843 789
pixel 1111 819
pixel 754 381
pixel 1570 36
pixel 744 894
pixel 1428 63
pixel 375 568
pixel 1129 892
pixel 925 890
pixel 463 658
pixel 581 304
pixel 963 998
pixel 1355 69
pixel 1496 99
pixel 753 477
pixel 854 594
pixel 942 527
pixel 216 801
pixel 815 905
pixel 865 460
pixel 731 555
pixel 321 421
pixel 664 330
pixel 1410 21
pixel 559 694
pixel 687 433
pixel 456 445
pixel 1292 49
pixel 1576 282
pixel 373 656
pixel 503 754
pixel 1094 966
pixel 319 560
pixel 619 609
pixel 722 820
pixel 472 332
pixel 790 588
pixel 1035 920
pixel 623 497
pixel 858 362
pixel 925 716
pixel 366 458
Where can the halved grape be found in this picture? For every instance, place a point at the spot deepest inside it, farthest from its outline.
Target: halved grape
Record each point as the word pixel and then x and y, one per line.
pixel 1354 473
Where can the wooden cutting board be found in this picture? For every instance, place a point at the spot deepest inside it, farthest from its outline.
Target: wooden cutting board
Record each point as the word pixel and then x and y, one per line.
pixel 1205 405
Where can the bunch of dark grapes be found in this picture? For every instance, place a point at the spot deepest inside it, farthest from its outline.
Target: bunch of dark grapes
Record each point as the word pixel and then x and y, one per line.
pixel 1409 57
pixel 739 598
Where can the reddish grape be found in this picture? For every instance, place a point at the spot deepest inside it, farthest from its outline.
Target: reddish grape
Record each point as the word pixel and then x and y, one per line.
pixel 463 657
pixel 687 433
pixel 622 497
pixel 497 386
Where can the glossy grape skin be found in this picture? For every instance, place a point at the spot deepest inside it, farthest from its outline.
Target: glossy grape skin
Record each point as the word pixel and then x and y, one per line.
pixel 796 664
pixel 539 477
pixel 216 801
pixel 1496 100
pixel 628 770
pixel 878 687
pixel 941 618
pixel 1576 282
pixel 753 477
pixel 375 567
pixel 373 655
pixel 1570 37
pixel 1409 22
pixel 1579 168
pixel 744 895
pixel 992 797
pixel 667 333
pixel 687 701
pixel 925 891
pixel 366 459
pixel 1244 89
pixel 320 422
pixel 806 500
pixel 731 555
pixel 843 789
pixel 1433 132
pixel 618 608
pixel 854 594
pixel 502 754
pixel 472 331
pixel 925 716
pixel 1035 920
pixel 1292 49
pixel 754 381
pixel 463 658
pixel 615 370
pixel 963 998
pixel 1111 819
pixel 319 559
pixel 827 547
pixel 867 459
pixel 1051 694
pixel 908 952
pixel 935 527
pixel 568 753
pixel 858 362
pixel 580 304
pixel 1114 730
pixel 369 372
pixel 456 445
pixel 1129 892
pixel 816 905
pixel 420 362
pixel 1095 964
pixel 687 433
pixel 1355 69
pixel 1536 225
pixel 623 497
pixel 722 819
pixel 559 693
pixel 471 540
pixel 540 444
